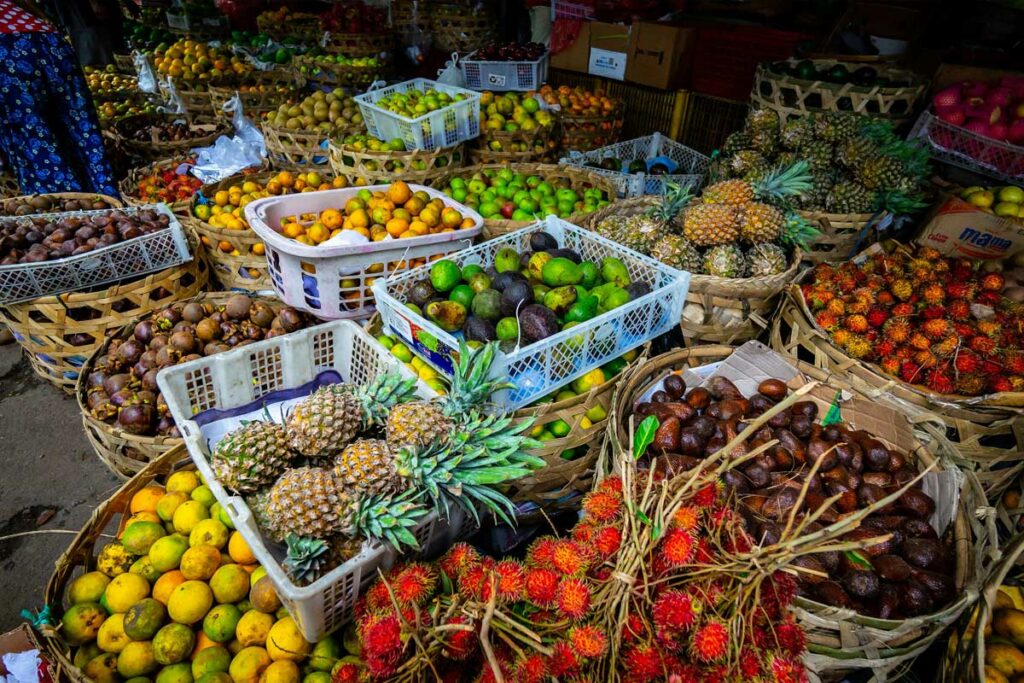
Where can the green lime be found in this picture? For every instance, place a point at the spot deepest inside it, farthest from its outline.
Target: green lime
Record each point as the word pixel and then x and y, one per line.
pixel 385 341
pixel 565 394
pixel 614 366
pixel 462 294
pixel 597 413
pixel 402 353
pixel 568 454
pixel 444 275
pixel 559 428
pixel 414 308
pixel 508 329
pixel 545 436
pixel 470 270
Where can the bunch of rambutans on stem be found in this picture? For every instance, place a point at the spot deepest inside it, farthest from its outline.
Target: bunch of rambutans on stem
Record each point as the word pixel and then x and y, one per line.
pixel 659 581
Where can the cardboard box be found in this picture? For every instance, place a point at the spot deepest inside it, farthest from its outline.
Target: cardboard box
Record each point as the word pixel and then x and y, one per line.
pixel 609 45
pixel 577 56
pixel 659 54
pixel 23 639
pixel 957 228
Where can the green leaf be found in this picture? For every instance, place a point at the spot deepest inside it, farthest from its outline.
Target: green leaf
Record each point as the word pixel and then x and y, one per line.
pixel 833 415
pixel 643 518
pixel 857 559
pixel 644 435
pixel 656 532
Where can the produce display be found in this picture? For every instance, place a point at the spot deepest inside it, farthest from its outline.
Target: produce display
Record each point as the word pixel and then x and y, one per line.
pixel 951 325
pixel 509 195
pixel 510 52
pixel 196 63
pixel 107 82
pixel 34 240
pixel 909 574
pixel 838 74
pixel 172 185
pixel 163 129
pixel 735 229
pixel 46 203
pixel 396 163
pixel 857 163
pixel 512 112
pixel 329 113
pixel 580 102
pixel 414 102
pixel 1004 658
pixel 111 112
pixel 356 70
pixel 146 37
pixel 1006 201
pixel 994 109
pixel 353 17
pixel 121 389
pixel 590 119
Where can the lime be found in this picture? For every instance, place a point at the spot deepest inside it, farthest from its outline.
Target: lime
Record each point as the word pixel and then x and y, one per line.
pixel 462 294
pixel 470 270
pixel 565 394
pixel 402 353
pixel 438 385
pixel 385 341
pixel 414 308
pixel 444 275
pixel 588 381
pixel 596 413
pixel 536 431
pixel 507 329
pixel 560 428
pixel 545 436
pixel 614 366
pixel 630 356
pixel 585 423
pixel 568 454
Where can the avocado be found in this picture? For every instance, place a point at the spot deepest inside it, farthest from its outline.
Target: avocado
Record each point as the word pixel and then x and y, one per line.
pixel 805 69
pixel 583 310
pixel 421 292
pixel 839 74
pixel 591 275
pixel 560 299
pixel 637 290
pixel 638 166
pixel 614 270
pixel 611 164
pixel 566 253
pixel 541 241
pixel 507 259
pixel 479 329
pixel 516 295
pixel 539 291
pixel 537 322
pixel 487 305
pixel 503 280
pixel 864 76
pixel 535 267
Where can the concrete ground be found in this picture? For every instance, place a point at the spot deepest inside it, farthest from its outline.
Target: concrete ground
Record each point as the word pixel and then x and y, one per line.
pixel 50 481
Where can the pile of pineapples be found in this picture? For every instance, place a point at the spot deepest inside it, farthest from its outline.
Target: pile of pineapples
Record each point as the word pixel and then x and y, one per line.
pixel 735 229
pixel 351 462
pixel 857 163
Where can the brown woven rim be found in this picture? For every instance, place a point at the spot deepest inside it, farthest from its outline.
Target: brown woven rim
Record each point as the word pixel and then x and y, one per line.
pixel 5 205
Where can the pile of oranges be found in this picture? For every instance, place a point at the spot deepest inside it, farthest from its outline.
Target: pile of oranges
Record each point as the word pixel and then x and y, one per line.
pixel 579 101
pixel 396 212
pixel 192 61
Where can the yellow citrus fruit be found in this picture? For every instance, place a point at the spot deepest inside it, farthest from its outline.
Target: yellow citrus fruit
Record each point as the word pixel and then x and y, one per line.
pixel 143 516
pixel 82 622
pixel 281 671
pixel 173 643
pixel 125 590
pixel 239 550
pixel 136 659
pixel 114 559
pixel 144 619
pixel 209 532
pixel 87 588
pixel 190 602
pixel 257 574
pixel 399 192
pixel 213 659
pixel 264 596
pixel 146 499
pixel 166 584
pixel 200 562
pixel 220 622
pixel 184 481
pixel 102 669
pixel 111 636
pixel 204 495
pixel 230 583
pixel 285 641
pixel 253 628
pixel 248 665
pixel 594 378
pixel 175 673
pixel 188 514
pixel 144 568
pixel 86 653
pixel 138 537
pixel 203 642
pixel 166 553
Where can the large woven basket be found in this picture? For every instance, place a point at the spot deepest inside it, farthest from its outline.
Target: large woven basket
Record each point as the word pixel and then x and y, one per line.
pixel 329 74
pixel 839 640
pixel 196 100
pixel 383 167
pixel 843 235
pixel 289 149
pixel 989 435
pixel 584 133
pixel 299 27
pixel 495 146
pixel 287 86
pixel 206 134
pixel 60 333
pixel 718 310
pixel 125 454
pixel 7 205
pixel 793 97
pixel 9 186
pixel 457 29
pixel 130 184
pixel 568 176
pixel 359 44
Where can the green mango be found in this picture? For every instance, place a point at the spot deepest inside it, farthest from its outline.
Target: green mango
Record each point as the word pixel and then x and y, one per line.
pixel 561 271
pixel 583 310
pixel 601 291
pixel 616 297
pixel 507 259
pixel 560 299
pixel 591 274
pixel 535 266
pixel 613 270
pixel 539 291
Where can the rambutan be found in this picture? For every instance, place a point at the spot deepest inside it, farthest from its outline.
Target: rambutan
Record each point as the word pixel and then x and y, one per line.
pixel 511 580
pixel 964 330
pixel 857 307
pixel 1016 383
pixel 885 297
pixel 920 342
pixel 903 310
pixel 674 612
pixel 530 668
pixel 988 298
pixel 982 344
pixel 541 552
pixel 836 307
pixel 705 553
pixel 611 485
pixel 686 517
pixel 749 664
pixel 993 282
pixel 904 352
pixel 877 316
pixel 933 293
pixel 381 639
pixel 884 348
pixel 378 597
pixel 958 309
pixel 606 541
pixel 569 558
pixel 785 670
pixel 791 638
pixel 846 283
pixel 602 506
pixel 634 629
pixel 474 582
pixel 999 383
pixel 910 372
pixel 841 336
pixel 896 330
pixel 461 644
pixel 858 347
pixel 932 312
pixel 946 347
pixel 902 289
pixel 939 381
pixel 414 584
pixel 563 660
pixel 459 557
pixel 935 329
pixel 642 664
pixel 856 323
pixel 960 289
pixel 583 533
pixel 348 672
pixel 1013 362
pixel 926 359
pixel 890 365
pixel 541 586
pixel 826 320
pixel 966 362
pixel 710 641
pixel 708 496
pixel 989 328
pixel 990 368
pixel 589 641
pixel 928 253
pixel 677 547
pixel 573 598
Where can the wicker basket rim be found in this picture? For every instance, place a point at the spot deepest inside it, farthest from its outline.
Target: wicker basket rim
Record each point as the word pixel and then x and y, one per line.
pixel 917 81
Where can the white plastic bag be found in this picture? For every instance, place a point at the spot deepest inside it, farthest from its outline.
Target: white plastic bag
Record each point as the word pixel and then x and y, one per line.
pixel 147 80
pixel 451 74
pixel 173 102
pixel 228 156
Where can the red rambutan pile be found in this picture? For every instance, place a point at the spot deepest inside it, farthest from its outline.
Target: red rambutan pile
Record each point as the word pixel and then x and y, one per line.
pixel 542 586
pixel 642 664
pixel 677 548
pixel 940 381
pixel 569 558
pixel 959 309
pixel 414 584
pixel 710 641
pixel 606 541
pixel 573 598
pixel 460 645
pixel 381 638
pixel 856 323
pixel 563 660
pixel 511 580
pixel 602 506
pixel 877 316
pixel 674 612
pixel 458 557
pixel 531 668
pixel 589 641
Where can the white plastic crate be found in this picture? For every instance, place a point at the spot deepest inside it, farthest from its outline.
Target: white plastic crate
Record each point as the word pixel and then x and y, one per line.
pixel 488 75
pixel 692 165
pixel 333 282
pixel 958 146
pixel 458 122
pixel 244 376
pixel 543 366
pixel 137 256
pixel 561 9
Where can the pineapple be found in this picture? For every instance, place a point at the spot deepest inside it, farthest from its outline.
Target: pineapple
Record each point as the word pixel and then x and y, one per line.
pixel 850 197
pixel 774 187
pixel 363 467
pixel 736 142
pixel 835 126
pixel 252 457
pixel 324 422
pixel 818 154
pixel 852 152
pixel 746 162
pixel 310 558
pixel 880 172
pixel 728 192
pixel 708 225
pixel 766 259
pixel 814 197
pixel 766 142
pixel 677 252
pixel 667 212
pixel 796 133
pixel 642 233
pixel 726 260
pixel 760 120
pixel 258 502
pixel 760 222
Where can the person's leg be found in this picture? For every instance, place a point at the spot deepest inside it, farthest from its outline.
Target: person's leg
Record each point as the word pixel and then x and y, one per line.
pixel 29 143
pixel 75 114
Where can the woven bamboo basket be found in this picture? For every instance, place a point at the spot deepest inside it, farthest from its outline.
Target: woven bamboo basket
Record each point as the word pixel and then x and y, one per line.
pixel 568 176
pixel 410 18
pixel 289 149
pixel 717 310
pixel 9 186
pixel 124 63
pixel 60 333
pixel 839 640
pixel 123 453
pixel 457 29
pixel 541 146
pixel 584 133
pixel 149 151
pixel 382 167
pixel 196 101
pixel 287 86
pixel 300 27
pixel 130 184
pixel 842 235
pixel 359 44
pixel 793 97
pixel 106 521
pixel 7 205
pixel 989 435
pixel 334 75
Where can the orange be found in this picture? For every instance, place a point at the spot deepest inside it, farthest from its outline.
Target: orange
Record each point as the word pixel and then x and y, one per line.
pixel 467 223
pixel 273 187
pixel 331 218
pixel 167 583
pixel 429 216
pixel 239 550
pixel 399 192
pixel 396 226
pixel 451 218
pixel 203 641
pixel 300 184
pixel 353 205
pixel 422 196
pixel 401 213
pixel 318 232
pixel 437 204
pixel 415 205
pixel 362 231
pixel 419 229
pixel 146 499
pixel 380 215
pixel 293 230
pixel 360 219
pixel 286 179
pixel 259 249
pixel 304 239
pixel 221 198
pixel 339 182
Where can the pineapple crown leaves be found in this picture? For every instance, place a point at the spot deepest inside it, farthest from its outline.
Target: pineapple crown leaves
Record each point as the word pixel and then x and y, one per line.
pixel 305 555
pixel 470 385
pixel 798 231
pixel 782 182
pixel 384 392
pixel 390 518
pixel 677 198
pixel 898 203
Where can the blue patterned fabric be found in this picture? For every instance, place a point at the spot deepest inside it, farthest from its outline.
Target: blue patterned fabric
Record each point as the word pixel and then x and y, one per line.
pixel 48 128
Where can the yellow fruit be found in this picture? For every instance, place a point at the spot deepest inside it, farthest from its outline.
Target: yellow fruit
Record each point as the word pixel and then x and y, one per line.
pixel 596 413
pixel 190 602
pixel 204 495
pixel 111 636
pixel 253 627
pixel 146 499
pixel 248 665
pixel 85 654
pixel 143 516
pixel 220 622
pixel 125 590
pixel 144 568
pixel 166 584
pixel 175 673
pixel 136 659
pixel 184 481
pixel 168 503
pixel 230 583
pixel 213 659
pixel 993 675
pixel 239 550
pixel 114 559
pixel 1006 209
pixel 1005 658
pixel 173 643
pixel 144 619
pixel 209 532
pixel 200 562
pixel 102 669
pixel 1009 623
pixel 257 574
pixel 87 588
pixel 166 553
pixel 203 642
pixel 592 379
pixel 188 514
pixel 282 671
pixel 285 641
pixel 138 537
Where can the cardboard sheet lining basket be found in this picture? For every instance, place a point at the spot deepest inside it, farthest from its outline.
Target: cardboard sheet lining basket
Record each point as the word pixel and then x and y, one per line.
pixel 840 640
pixel 988 431
pixel 419 167
pixel 842 234
pixel 60 333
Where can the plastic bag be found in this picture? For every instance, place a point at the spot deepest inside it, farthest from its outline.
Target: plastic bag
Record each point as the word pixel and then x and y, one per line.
pixel 147 80
pixel 174 103
pixel 228 156
pixel 451 74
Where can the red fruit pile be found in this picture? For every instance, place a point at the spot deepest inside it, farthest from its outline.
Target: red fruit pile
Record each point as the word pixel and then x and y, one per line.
pixel 930 320
pixel 168 186
pixel 510 52
pixel 995 110
pixel 353 17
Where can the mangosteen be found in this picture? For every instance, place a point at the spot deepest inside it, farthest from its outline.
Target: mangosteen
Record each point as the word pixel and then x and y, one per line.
pixel 237 307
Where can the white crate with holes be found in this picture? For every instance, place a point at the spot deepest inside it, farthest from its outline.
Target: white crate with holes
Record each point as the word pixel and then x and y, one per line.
pixel 540 367
pixel 210 396
pixel 483 74
pixel 333 282
pixel 445 127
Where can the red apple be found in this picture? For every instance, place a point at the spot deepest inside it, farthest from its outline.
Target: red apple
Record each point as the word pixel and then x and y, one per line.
pixel 999 97
pixel 953 115
pixel 1016 132
pixel 976 89
pixel 998 131
pixel 947 97
pixel 507 208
